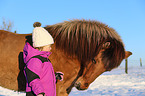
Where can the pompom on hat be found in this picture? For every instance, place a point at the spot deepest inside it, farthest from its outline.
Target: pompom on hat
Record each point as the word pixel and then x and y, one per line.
pixel 40 36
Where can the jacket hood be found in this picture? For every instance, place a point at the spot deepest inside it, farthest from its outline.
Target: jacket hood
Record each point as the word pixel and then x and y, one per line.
pixel 29 52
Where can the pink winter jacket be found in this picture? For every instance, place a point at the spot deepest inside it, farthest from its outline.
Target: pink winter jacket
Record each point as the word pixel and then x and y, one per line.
pixel 39 75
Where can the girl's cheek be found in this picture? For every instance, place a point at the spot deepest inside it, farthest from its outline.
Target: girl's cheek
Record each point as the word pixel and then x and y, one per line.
pixel 50 48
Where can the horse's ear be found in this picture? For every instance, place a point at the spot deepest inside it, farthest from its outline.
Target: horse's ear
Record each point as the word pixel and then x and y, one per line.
pixel 127 54
pixel 106 45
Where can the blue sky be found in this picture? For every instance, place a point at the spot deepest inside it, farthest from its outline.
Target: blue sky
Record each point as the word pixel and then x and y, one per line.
pixel 127 17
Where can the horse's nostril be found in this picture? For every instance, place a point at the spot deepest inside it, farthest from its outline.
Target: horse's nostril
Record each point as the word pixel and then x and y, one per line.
pixel 77 85
pixel 86 84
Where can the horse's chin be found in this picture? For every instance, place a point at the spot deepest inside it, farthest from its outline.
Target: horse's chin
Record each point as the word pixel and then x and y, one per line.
pixel 81 89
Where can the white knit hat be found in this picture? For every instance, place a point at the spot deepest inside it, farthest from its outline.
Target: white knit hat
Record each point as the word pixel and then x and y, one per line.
pixel 40 36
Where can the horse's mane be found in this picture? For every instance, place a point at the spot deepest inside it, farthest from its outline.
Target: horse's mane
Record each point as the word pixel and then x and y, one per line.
pixel 84 39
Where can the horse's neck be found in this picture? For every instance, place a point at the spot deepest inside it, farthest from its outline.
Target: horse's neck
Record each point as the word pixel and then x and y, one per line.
pixel 63 62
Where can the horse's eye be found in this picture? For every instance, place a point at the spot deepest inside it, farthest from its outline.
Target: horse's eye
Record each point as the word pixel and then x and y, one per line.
pixel 93 61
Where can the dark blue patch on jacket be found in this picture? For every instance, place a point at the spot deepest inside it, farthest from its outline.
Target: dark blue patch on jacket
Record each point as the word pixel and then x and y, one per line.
pixel 31 75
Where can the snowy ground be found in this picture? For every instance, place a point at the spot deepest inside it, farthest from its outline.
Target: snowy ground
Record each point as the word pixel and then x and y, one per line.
pixel 114 83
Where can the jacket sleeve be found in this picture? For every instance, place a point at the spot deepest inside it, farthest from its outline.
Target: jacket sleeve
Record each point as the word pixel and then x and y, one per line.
pixel 33 74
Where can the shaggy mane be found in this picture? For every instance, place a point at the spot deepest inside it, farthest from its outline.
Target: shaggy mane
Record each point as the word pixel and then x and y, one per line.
pixel 84 39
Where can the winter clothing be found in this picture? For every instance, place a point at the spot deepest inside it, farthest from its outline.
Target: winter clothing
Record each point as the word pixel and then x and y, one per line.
pixel 40 75
pixel 41 37
pixel 59 76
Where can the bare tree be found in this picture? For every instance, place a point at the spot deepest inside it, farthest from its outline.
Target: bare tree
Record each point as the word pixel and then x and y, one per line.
pixel 6 25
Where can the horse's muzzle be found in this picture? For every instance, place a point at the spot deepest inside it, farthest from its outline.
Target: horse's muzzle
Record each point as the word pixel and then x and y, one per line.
pixel 78 86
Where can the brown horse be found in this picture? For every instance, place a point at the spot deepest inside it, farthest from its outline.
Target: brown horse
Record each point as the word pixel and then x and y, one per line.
pixel 81 47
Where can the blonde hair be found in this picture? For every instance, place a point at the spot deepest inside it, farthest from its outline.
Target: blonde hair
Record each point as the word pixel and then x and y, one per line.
pixel 39 48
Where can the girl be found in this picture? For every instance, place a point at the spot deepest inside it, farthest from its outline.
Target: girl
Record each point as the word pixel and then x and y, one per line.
pixel 39 71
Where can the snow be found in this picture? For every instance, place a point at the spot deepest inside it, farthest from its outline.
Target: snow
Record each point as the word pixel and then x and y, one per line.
pixel 113 83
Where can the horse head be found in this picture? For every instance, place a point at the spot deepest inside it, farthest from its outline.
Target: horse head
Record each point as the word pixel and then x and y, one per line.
pixel 98 65
pixel 97 47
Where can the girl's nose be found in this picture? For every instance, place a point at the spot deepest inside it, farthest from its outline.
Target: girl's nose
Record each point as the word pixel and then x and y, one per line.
pixel 50 48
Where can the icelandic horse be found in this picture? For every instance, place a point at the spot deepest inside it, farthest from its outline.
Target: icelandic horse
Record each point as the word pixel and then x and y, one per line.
pixel 83 50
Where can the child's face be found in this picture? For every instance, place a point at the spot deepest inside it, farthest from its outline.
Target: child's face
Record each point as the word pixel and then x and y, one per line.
pixel 47 48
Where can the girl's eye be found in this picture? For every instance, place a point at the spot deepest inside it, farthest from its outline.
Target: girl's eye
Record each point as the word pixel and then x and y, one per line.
pixel 93 61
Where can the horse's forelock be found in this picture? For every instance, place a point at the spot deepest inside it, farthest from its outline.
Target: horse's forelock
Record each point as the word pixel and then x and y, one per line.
pixel 82 38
